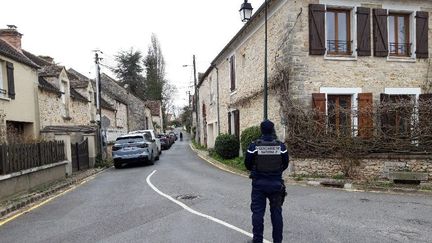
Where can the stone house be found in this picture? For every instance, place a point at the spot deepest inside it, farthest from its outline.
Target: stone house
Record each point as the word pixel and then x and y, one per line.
pixel 62 108
pixel 340 54
pixel 131 113
pixel 156 113
pixel 18 84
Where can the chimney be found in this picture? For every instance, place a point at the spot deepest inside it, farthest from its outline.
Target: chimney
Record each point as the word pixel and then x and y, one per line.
pixel 11 36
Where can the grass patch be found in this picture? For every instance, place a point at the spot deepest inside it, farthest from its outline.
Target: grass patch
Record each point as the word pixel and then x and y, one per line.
pixel 339 177
pixel 103 163
pixel 198 146
pixel 237 162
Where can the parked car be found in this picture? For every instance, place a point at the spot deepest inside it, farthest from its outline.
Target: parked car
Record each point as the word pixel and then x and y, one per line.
pixel 132 148
pixel 153 135
pixel 165 141
pixel 174 135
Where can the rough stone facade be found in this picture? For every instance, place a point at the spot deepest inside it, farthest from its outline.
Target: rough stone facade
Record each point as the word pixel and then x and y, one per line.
pixel 138 115
pixel 368 169
pixel 288 48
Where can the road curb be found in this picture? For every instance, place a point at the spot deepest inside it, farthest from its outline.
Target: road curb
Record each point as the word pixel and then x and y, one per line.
pixel 218 164
pixel 15 206
pixel 326 183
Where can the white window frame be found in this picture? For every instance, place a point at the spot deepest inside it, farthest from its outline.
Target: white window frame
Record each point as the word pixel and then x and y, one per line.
pixel 412 29
pixel 354 102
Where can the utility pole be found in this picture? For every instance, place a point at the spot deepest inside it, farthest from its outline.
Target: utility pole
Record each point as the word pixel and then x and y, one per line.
pixel 98 104
pixel 197 130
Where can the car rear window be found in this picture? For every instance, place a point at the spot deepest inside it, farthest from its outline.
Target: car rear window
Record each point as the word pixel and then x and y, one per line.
pixel 134 139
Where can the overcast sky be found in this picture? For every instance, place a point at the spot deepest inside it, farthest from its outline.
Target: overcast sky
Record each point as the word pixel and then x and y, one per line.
pixel 68 31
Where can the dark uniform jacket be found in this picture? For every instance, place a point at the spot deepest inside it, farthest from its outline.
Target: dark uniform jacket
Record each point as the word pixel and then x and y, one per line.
pixel 252 153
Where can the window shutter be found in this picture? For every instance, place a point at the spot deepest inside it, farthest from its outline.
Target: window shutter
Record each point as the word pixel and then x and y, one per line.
pixel 422 34
pixel 232 72
pixel 385 118
pixel 425 119
pixel 229 122
pixel 380 32
pixel 11 81
pixel 363 32
pixel 319 106
pixel 317 29
pixel 365 115
pixel 237 124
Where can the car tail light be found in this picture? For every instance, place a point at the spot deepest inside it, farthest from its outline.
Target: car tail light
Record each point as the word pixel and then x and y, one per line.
pixel 115 148
pixel 144 145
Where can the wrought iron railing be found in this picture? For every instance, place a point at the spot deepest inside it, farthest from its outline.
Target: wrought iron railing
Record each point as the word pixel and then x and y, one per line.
pixel 2 91
pixel 400 49
pixel 339 47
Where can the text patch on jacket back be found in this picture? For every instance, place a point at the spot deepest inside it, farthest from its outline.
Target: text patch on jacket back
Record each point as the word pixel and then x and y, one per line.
pixel 268 150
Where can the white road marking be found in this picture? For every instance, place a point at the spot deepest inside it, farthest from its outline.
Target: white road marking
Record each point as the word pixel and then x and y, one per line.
pixel 196 212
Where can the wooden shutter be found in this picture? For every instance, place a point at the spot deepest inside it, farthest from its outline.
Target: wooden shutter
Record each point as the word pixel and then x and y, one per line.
pixel 385 110
pixel 425 119
pixel 365 115
pixel 232 73
pixel 319 106
pixel 380 32
pixel 237 124
pixel 229 122
pixel 11 81
pixel 317 29
pixel 422 34
pixel 363 32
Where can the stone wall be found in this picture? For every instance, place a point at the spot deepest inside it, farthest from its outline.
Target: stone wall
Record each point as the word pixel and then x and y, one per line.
pixel 288 48
pixel 50 109
pixel 368 169
pixel 79 112
pixel 310 74
pixel 2 127
pixel 135 107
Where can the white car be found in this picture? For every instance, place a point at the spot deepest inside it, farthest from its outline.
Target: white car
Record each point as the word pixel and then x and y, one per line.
pixel 153 134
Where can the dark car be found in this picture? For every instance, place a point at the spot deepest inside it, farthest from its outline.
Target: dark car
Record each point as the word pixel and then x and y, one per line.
pixel 134 148
pixel 165 141
pixel 173 136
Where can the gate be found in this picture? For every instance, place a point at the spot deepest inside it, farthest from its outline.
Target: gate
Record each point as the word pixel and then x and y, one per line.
pixel 80 156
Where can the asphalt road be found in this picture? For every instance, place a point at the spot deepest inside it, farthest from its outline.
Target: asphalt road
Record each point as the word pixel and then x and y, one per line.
pixel 121 206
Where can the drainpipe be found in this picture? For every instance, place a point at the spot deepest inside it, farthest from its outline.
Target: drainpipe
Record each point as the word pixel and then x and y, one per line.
pixel 217 97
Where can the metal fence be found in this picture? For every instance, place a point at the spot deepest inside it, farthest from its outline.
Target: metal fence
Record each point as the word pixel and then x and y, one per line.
pixel 17 157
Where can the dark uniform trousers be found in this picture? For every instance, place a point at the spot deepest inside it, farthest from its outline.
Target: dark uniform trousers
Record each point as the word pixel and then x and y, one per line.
pixel 263 189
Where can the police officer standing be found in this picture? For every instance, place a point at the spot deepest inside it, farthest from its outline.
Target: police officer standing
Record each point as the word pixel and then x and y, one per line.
pixel 267 158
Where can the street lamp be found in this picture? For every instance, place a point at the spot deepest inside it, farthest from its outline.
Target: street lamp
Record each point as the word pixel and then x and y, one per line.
pixel 246 13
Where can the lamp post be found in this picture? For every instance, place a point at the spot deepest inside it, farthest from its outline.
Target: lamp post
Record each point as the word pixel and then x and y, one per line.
pixel 245 15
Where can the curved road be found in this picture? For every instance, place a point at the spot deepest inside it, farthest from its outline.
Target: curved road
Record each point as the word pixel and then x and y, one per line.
pixel 210 205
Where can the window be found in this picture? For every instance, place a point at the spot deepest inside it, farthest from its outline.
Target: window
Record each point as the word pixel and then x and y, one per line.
pixel 399 35
pixel 398 114
pixel 232 73
pixel 234 123
pixel 211 90
pixel 64 98
pixel 338 24
pixel 2 86
pixel 339 114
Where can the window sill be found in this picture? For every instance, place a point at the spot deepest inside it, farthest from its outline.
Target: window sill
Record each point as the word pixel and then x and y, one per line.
pixel 5 99
pixel 340 57
pixel 401 59
pixel 233 92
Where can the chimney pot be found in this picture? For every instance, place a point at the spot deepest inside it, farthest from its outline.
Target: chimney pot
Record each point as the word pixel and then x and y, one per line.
pixel 12 36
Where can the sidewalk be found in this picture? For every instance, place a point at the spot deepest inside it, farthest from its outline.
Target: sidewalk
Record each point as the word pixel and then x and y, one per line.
pixel 38 194
pixel 341 184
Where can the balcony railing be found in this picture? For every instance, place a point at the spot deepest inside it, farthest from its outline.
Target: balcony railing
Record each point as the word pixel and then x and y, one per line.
pixel 339 47
pixel 400 49
pixel 2 91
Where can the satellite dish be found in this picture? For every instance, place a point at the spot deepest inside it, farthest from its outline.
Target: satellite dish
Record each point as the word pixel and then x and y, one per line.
pixel 105 122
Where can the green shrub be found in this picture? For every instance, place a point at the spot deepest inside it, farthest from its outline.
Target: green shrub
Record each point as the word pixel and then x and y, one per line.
pixel 227 146
pixel 248 135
